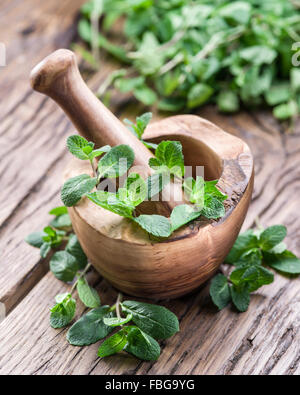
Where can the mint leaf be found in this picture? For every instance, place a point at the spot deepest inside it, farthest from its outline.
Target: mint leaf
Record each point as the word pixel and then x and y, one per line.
pixel 141 124
pixel 156 183
pixel 142 345
pixel 211 190
pixel 285 262
pixel 254 275
pixel 45 248
pixel 90 328
pixel 74 188
pixel 244 242
pixel 195 190
pixel 99 152
pixel 253 256
pixel 63 312
pixel 64 266
pixel 74 248
pixel 272 236
pixel 35 239
pixel 114 321
pixel 136 189
pixel 168 156
pixel 110 201
pixel 116 162
pixel 213 208
pixel 88 295
pixel 240 297
pixel 57 211
pixel 79 147
pixel 220 291
pixel 156 321
pixel 228 102
pixel 198 95
pixel 113 344
pixel 182 215
pixel 61 221
pixel 157 225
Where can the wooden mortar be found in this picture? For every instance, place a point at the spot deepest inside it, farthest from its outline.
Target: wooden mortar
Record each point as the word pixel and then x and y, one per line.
pixel 118 248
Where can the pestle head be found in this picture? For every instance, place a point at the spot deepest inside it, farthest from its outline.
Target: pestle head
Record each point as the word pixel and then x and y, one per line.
pixel 49 69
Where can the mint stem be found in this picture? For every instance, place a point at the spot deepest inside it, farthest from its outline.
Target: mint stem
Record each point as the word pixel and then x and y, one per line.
pixel 82 274
pixel 119 299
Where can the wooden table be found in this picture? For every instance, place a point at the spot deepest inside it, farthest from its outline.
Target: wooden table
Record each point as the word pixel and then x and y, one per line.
pixel 33 130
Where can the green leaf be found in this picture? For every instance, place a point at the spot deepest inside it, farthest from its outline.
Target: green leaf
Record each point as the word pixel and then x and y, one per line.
pixel 238 11
pixel 258 54
pixel 285 262
pixel 90 328
pixel 61 221
pixel 213 208
pixel 45 248
pixel 156 183
pixel 58 211
pixel 88 295
pixel 99 152
pixel 228 102
pixel 195 189
pixel 198 95
pixel 113 344
pixel 63 312
pixel 142 345
pixel 272 236
pixel 74 188
pixel 156 321
pixel 211 190
pixel 220 291
pixel 129 84
pixel 182 215
pixel 146 95
pixel 244 242
pixel 74 248
pixel 64 266
pixel 116 162
pixel 35 239
pixel 277 94
pixel 286 110
pixel 136 189
pixel 110 201
pixel 157 225
pixel 114 321
pixel 79 147
pixel 254 275
pixel 240 297
pixel 141 124
pixel 253 256
pixel 168 156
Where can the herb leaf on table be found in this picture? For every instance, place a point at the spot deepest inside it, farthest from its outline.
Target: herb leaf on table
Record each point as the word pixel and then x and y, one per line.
pixel 250 254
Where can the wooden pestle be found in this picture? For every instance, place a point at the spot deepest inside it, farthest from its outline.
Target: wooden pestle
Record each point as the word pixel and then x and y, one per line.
pixel 58 77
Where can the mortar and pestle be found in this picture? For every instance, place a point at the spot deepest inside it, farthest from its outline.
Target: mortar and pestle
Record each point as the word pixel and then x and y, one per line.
pixel 118 248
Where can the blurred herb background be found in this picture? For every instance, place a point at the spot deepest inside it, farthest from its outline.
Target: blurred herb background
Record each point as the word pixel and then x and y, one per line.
pixel 178 55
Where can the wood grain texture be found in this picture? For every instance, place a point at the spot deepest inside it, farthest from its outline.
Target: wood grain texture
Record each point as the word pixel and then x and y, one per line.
pixel 264 340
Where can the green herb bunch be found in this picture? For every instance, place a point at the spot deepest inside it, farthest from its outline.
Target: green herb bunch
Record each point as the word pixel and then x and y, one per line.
pixel 140 324
pixel 182 54
pixel 206 198
pixel 251 253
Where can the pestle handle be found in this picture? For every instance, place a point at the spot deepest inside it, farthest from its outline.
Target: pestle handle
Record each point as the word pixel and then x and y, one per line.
pixel 58 77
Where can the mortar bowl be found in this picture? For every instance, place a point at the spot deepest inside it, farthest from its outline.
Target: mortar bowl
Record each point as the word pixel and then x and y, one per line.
pixel 126 256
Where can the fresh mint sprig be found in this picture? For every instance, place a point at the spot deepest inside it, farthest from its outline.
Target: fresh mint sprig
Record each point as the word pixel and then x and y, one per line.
pixel 201 51
pixel 139 128
pixel 251 253
pixel 140 324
